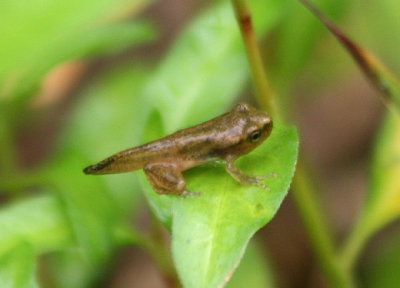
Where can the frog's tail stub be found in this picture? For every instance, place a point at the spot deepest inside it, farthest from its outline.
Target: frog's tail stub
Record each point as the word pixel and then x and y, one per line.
pixel 102 167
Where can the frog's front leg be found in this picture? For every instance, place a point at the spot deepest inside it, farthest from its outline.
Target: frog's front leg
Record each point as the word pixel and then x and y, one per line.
pixel 242 178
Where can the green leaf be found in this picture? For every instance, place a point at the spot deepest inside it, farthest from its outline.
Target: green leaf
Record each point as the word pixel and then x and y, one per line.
pixel 201 75
pixel 254 271
pixel 206 67
pixel 210 232
pixel 112 101
pixel 214 228
pixel 97 206
pixel 37 221
pixel 36 38
pixel 87 203
pixel 17 268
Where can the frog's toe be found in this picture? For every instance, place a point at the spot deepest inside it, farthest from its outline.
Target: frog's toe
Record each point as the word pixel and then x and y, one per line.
pixel 188 193
pixel 256 181
pixel 260 184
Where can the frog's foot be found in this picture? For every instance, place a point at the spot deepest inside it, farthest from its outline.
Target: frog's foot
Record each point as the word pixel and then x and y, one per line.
pixel 255 181
pixel 188 193
pixel 244 179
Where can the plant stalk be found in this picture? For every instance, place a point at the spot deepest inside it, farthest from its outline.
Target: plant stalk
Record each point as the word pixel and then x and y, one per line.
pixel 304 192
pixel 304 195
pixel 264 94
pixel 356 241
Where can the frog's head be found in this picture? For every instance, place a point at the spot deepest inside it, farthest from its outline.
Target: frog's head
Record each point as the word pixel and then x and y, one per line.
pixel 255 125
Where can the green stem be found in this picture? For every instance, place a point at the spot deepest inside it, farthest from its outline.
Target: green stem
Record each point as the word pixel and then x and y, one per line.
pixel 304 194
pixel 356 241
pixel 304 191
pixel 265 97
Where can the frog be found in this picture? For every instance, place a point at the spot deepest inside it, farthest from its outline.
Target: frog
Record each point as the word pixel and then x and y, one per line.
pixel 224 138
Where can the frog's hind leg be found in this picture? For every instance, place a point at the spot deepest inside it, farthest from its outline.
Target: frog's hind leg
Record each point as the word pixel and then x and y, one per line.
pixel 165 178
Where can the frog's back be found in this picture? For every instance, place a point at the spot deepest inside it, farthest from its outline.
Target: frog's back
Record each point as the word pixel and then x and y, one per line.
pixel 188 147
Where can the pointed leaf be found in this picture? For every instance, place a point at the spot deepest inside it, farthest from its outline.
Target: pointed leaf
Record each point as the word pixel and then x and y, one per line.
pixel 210 232
pixel 112 100
pixel 87 204
pixel 201 75
pixel 97 206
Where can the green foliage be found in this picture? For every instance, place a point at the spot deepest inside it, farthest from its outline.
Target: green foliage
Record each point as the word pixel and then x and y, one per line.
pixel 18 268
pixel 295 46
pixel 179 105
pixel 68 268
pixel 29 227
pixel 36 37
pixel 207 62
pixel 369 23
pixel 78 221
pixel 112 101
pixel 215 74
pixel 46 230
pixel 78 212
pixel 88 206
pixel 97 207
pixel 216 227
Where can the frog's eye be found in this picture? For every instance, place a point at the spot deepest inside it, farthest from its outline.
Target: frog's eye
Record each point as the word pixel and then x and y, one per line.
pixel 255 136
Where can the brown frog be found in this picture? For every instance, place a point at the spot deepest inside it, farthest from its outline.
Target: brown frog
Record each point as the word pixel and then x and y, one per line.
pixel 223 138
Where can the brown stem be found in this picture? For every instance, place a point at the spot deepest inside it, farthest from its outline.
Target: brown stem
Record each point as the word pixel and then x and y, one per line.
pixel 264 93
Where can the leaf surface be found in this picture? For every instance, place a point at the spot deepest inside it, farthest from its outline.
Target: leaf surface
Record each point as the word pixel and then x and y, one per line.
pixel 201 75
pixel 37 221
pixel 214 229
pixel 17 269
pixel 38 37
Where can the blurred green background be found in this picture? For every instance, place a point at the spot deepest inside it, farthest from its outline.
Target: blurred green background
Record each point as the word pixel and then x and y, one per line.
pixel 78 81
